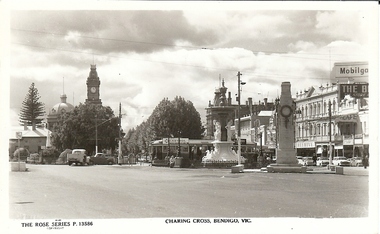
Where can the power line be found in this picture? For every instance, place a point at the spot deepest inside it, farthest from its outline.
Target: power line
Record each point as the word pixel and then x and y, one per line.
pixel 111 39
pixel 252 72
pixel 173 45
pixel 113 56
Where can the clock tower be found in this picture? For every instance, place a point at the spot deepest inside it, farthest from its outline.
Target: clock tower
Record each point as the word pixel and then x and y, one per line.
pixel 93 84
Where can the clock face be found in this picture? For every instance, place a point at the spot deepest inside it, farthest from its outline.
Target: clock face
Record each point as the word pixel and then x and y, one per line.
pixel 286 111
pixel 93 89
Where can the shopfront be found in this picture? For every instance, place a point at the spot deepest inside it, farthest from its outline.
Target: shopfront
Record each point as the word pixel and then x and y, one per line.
pixel 305 148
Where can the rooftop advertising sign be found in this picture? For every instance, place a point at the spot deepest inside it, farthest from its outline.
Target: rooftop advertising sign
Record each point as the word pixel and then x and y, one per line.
pixel 351 70
pixel 356 90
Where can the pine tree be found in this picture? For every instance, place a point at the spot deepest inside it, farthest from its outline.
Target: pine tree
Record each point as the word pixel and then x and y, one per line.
pixel 31 108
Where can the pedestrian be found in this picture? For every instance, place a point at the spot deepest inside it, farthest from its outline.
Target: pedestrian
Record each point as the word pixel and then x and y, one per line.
pixel 172 161
pixel 365 162
pixel 314 160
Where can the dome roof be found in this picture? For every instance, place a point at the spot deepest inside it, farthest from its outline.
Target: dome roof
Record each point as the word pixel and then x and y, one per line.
pixel 62 107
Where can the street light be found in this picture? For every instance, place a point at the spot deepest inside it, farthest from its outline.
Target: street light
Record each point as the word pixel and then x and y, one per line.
pixel 179 143
pixel 330 146
pixel 238 113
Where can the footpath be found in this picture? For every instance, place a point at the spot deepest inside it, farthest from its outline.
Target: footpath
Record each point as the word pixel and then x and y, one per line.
pixel 355 171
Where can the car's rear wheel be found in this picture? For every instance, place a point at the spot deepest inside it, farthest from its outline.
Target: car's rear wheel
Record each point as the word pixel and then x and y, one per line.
pixel 110 162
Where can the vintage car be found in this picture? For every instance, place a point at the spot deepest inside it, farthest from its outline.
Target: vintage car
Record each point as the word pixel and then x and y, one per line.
pixel 33 158
pixel 308 161
pixel 102 159
pixel 300 159
pixel 322 161
pixel 356 162
pixel 340 161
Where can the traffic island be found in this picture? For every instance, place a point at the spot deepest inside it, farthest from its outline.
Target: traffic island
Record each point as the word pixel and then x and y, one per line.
pixel 18 166
pixel 339 170
pixel 237 168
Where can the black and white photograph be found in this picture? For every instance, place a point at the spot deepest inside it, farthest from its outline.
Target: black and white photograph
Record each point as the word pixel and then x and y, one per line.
pixel 189 117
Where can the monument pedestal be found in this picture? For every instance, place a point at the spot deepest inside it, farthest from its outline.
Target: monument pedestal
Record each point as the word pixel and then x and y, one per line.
pixel 286 168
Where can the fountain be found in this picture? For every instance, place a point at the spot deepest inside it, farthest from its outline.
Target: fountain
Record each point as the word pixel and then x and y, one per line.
pixel 222 113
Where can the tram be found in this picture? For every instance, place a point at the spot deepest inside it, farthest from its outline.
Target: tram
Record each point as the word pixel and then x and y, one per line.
pixel 193 149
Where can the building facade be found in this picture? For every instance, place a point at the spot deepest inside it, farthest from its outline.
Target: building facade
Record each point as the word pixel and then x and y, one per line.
pixel 336 114
pixel 33 138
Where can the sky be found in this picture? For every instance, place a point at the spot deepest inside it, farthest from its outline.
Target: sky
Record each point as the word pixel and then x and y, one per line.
pixel 146 54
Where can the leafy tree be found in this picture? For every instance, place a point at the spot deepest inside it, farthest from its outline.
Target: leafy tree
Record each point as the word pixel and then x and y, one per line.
pixel 77 129
pixel 177 118
pixel 24 153
pixel 31 108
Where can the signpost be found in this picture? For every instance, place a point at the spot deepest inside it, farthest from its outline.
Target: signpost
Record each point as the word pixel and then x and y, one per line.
pixel 19 137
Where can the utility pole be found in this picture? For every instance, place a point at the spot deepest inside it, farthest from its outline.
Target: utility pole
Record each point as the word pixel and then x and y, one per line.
pixel 330 147
pixel 119 155
pixel 96 134
pixel 238 125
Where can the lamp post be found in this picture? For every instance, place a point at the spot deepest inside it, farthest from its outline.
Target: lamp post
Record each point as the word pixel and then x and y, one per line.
pixel 238 115
pixel 179 143
pixel 96 134
pixel 330 150
pixel 119 156
pixel 277 103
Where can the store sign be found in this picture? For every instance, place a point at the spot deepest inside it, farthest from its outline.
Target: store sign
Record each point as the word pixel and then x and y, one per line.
pixel 305 144
pixel 355 70
pixel 353 118
pixel 356 90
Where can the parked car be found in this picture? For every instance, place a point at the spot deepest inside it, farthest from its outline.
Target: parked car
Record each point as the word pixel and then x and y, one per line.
pixel 33 158
pixel 340 161
pixel 322 161
pixel 308 161
pixel 102 159
pixel 300 160
pixel 356 162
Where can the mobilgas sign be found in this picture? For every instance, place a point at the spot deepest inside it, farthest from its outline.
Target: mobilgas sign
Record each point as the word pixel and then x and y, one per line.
pixel 354 70
pixel 354 90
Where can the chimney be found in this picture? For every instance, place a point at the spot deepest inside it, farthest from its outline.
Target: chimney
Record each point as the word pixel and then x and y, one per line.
pixel 229 99
pixel 250 105
pixel 265 101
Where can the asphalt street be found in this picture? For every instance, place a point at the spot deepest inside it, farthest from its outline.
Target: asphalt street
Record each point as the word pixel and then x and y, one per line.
pixel 74 192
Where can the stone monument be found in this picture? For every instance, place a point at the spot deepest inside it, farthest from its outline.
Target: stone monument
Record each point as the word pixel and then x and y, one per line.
pixel 286 152
pixel 222 113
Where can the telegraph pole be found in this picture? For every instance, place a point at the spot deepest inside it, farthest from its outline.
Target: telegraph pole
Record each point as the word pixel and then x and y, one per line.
pixel 330 150
pixel 119 155
pixel 96 134
pixel 238 125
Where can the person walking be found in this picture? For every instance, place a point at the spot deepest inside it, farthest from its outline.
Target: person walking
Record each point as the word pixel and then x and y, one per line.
pixel 365 162
pixel 314 159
